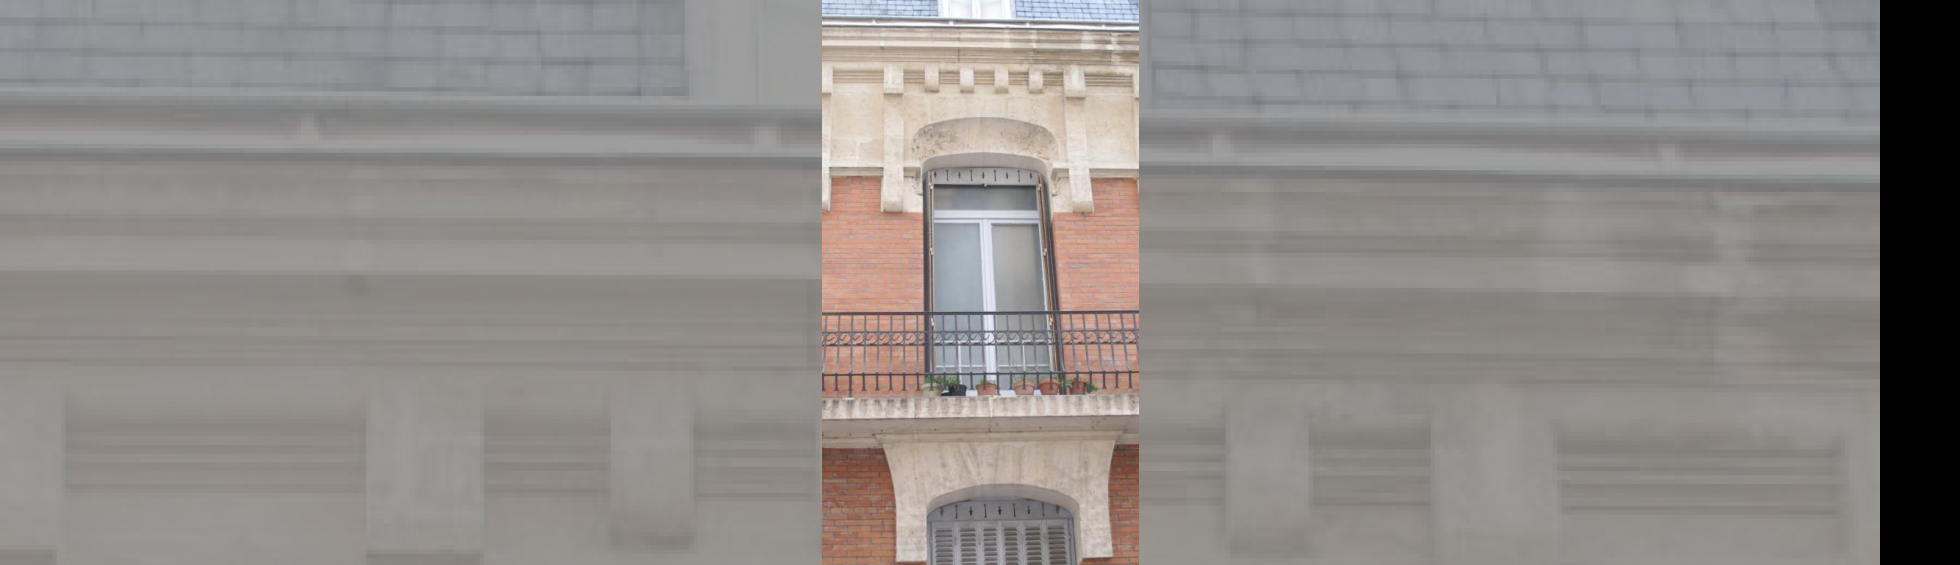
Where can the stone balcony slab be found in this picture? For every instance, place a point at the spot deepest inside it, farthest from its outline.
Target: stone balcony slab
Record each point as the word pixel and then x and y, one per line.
pixel 849 422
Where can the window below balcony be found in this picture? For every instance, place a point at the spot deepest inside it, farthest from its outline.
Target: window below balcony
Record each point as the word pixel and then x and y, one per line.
pixel 1001 532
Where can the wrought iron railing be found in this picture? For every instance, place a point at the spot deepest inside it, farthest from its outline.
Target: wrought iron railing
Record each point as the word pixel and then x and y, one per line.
pixel 979 353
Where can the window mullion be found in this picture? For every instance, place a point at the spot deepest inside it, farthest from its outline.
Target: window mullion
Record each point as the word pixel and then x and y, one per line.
pixel 987 298
pixel 987 264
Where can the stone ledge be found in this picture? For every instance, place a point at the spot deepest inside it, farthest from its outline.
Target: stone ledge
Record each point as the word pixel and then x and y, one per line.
pixel 864 422
pixel 916 407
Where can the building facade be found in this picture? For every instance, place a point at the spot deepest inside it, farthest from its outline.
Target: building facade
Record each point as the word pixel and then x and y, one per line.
pixel 1471 282
pixel 328 282
pixel 1573 282
pixel 981 272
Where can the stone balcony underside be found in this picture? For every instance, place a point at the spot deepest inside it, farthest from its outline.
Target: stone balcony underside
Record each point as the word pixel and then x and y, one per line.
pixel 1055 449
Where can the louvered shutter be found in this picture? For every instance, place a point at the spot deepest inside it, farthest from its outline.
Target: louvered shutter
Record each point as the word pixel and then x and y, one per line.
pixel 945 543
pixel 1017 532
pixel 1055 543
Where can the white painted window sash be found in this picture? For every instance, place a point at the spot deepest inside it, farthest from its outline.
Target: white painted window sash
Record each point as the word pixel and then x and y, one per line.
pixel 987 220
pixel 973 9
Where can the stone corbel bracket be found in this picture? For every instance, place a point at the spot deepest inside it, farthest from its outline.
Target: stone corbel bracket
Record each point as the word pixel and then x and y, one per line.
pixel 829 85
pixel 1075 88
pixel 891 194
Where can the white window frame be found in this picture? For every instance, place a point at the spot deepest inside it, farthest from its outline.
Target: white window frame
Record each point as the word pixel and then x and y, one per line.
pixel 987 219
pixel 946 7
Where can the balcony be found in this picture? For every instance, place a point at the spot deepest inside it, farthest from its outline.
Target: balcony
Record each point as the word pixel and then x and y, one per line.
pixel 1031 353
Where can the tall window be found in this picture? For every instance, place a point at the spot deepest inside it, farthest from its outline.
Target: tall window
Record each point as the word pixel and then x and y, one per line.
pixel 1001 532
pixel 977 9
pixel 989 273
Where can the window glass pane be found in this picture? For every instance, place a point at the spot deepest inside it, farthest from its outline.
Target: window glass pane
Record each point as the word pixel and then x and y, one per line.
pixel 956 267
pixel 984 198
pixel 1017 268
pixel 956 287
pixel 958 9
pixel 1018 287
pixel 991 9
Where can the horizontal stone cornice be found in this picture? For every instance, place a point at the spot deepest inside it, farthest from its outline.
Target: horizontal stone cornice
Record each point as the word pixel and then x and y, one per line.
pixel 1092 405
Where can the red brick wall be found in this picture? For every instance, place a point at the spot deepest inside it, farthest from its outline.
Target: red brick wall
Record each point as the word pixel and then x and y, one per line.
pixel 859 525
pixel 859 517
pixel 1097 268
pixel 872 261
pixel 1096 259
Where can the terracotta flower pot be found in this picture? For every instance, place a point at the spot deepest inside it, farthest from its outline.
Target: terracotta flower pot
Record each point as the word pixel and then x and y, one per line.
pixel 988 389
pixel 1049 388
pixel 1078 387
pixel 1025 388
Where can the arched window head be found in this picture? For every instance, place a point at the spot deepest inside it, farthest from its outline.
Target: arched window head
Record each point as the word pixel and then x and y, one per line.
pixel 986 189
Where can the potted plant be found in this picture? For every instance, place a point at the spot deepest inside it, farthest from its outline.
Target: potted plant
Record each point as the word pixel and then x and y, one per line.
pixel 987 387
pixel 1025 387
pixel 1049 387
pixel 934 385
pixel 950 385
pixel 1079 386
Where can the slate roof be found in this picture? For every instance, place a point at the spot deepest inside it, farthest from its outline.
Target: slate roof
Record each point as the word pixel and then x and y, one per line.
pixel 507 47
pixel 1088 10
pixel 1096 10
pixel 1814 61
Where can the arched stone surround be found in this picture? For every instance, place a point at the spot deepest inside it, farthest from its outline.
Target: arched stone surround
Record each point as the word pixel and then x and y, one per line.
pixel 1069 469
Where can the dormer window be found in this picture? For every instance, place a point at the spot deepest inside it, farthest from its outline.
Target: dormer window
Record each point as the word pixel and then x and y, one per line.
pixel 977 9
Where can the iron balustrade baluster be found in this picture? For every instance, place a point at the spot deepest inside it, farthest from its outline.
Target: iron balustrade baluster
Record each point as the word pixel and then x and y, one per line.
pixel 1055 353
pixel 1102 342
pixel 930 324
pixel 888 353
